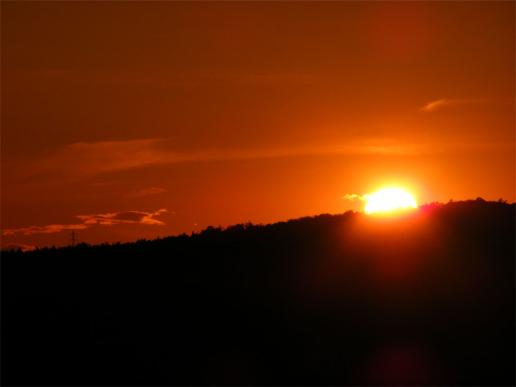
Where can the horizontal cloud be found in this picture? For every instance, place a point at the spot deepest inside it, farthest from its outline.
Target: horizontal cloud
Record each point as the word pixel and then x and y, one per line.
pixel 79 160
pixel 148 191
pixel 445 102
pixel 47 229
pixel 86 159
pixel 354 197
pixel 128 217
pixel 108 219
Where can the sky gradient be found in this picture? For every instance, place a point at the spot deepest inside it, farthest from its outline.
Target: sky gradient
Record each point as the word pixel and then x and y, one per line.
pixel 129 120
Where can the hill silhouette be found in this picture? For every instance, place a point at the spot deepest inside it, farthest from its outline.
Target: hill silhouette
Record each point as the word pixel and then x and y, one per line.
pixel 422 299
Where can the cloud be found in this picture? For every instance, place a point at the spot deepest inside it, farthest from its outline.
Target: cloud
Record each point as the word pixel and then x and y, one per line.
pixel 84 159
pixel 354 197
pixel 107 219
pixel 90 158
pixel 78 161
pixel 148 191
pixel 47 229
pixel 127 217
pixel 446 102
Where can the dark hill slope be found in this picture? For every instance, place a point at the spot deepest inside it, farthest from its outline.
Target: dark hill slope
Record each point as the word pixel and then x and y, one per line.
pixel 345 299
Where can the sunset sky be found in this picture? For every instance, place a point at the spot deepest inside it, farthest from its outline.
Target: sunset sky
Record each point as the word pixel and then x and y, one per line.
pixel 129 120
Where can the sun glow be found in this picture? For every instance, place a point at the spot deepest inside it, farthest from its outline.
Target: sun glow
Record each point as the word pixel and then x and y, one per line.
pixel 389 200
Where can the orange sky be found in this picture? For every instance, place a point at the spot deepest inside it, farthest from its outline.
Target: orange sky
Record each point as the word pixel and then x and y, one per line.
pixel 129 120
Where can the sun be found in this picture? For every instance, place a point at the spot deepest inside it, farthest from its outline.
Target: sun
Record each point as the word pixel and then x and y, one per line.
pixel 389 200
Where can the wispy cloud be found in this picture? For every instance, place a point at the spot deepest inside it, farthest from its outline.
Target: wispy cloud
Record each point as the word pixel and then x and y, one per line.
pixel 148 191
pixel 84 160
pixel 446 102
pixel 89 158
pixel 47 229
pixel 127 217
pixel 107 219
pixel 93 158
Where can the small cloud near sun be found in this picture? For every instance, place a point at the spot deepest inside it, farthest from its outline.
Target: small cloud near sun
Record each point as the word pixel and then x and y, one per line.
pixel 434 105
pixel 353 197
pixel 446 102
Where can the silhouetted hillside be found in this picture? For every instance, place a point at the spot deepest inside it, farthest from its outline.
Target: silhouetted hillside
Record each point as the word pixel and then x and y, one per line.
pixel 426 298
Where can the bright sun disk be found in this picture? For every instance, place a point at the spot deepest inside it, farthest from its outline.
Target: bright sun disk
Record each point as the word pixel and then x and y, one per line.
pixel 389 200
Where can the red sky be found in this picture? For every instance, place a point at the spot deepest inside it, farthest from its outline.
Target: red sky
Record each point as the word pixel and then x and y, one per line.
pixel 127 120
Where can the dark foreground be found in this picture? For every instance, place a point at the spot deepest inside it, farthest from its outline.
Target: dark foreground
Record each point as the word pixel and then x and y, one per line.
pixel 347 299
